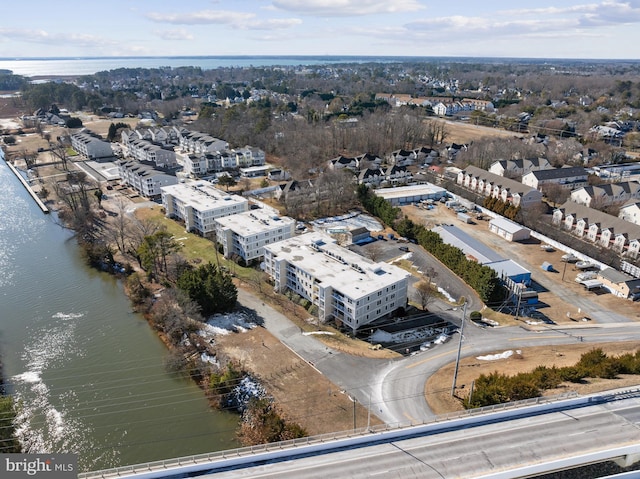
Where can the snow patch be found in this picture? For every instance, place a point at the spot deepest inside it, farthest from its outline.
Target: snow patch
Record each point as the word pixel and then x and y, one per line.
pixel 246 389
pixel 317 332
pixel 444 293
pixel 235 322
pixel 495 357
pixel 209 359
pixel 412 335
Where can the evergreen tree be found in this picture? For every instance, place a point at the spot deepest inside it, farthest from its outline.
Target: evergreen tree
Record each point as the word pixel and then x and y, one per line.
pixel 212 289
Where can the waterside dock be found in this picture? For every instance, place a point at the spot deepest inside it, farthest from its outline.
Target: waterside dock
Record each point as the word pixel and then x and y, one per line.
pixel 24 182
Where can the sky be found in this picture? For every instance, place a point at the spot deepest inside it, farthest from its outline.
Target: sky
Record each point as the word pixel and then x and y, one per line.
pixel 606 29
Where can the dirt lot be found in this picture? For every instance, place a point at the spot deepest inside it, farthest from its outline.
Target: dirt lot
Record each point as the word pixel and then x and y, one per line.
pixel 300 391
pixel 466 133
pixel 438 387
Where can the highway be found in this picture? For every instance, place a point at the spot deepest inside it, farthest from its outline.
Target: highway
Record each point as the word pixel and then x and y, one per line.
pixel 470 452
pixel 506 443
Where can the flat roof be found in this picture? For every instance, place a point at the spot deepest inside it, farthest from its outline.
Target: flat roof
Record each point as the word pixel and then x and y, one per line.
pixel 256 168
pixel 414 190
pixel 202 195
pixel 471 247
pixel 508 268
pixel 254 221
pixel 348 272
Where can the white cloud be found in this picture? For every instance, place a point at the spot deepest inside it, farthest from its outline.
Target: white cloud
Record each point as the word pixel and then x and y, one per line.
pixel 337 8
pixel 587 15
pixel 204 17
pixel 42 36
pixel 245 21
pixel 272 24
pixel 174 34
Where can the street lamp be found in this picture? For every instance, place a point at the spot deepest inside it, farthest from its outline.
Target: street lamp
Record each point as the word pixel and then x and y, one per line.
pixel 455 371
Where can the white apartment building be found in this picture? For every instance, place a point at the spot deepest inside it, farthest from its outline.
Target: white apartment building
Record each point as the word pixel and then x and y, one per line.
pixel 343 285
pixel 198 204
pixel 246 234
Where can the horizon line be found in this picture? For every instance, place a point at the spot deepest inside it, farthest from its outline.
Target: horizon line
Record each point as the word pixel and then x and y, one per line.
pixel 317 56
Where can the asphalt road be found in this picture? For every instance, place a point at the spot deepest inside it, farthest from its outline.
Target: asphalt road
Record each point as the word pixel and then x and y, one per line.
pixel 472 451
pixel 394 389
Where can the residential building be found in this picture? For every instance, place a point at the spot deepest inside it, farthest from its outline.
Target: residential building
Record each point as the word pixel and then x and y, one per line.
pixel 631 212
pixel 570 178
pixel 369 160
pixel 199 203
pixel 517 168
pixel 195 166
pixel 619 171
pixel 345 287
pixel 488 184
pixel 145 179
pixel 249 157
pixel 140 145
pixel 91 145
pixel 402 157
pixel 343 162
pixel 278 174
pixel 245 234
pixel 596 196
pixel 394 175
pixel 198 143
pixel 600 228
pixel 371 176
pixel 295 189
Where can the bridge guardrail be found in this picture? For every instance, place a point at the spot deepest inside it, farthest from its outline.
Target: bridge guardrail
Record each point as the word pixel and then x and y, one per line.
pixel 168 464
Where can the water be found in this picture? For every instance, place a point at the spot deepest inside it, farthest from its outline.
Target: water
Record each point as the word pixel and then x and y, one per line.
pixel 87 372
pixel 89 66
pixel 30 67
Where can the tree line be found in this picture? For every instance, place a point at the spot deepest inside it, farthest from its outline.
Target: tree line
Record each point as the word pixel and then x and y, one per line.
pixel 497 388
pixel 481 278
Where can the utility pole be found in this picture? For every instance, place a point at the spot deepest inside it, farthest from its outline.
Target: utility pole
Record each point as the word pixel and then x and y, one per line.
pixel 461 332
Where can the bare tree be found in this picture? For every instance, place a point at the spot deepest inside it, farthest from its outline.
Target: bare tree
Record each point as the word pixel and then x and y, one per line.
pixel 425 292
pixel 374 251
pixel 435 132
pixel 117 231
pixel 555 193
pixel 60 152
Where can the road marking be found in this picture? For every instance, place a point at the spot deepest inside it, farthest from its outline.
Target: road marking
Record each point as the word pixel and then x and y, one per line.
pixel 426 360
pixel 538 337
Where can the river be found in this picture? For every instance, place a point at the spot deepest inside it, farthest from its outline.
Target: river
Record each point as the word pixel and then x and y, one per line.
pixel 87 372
